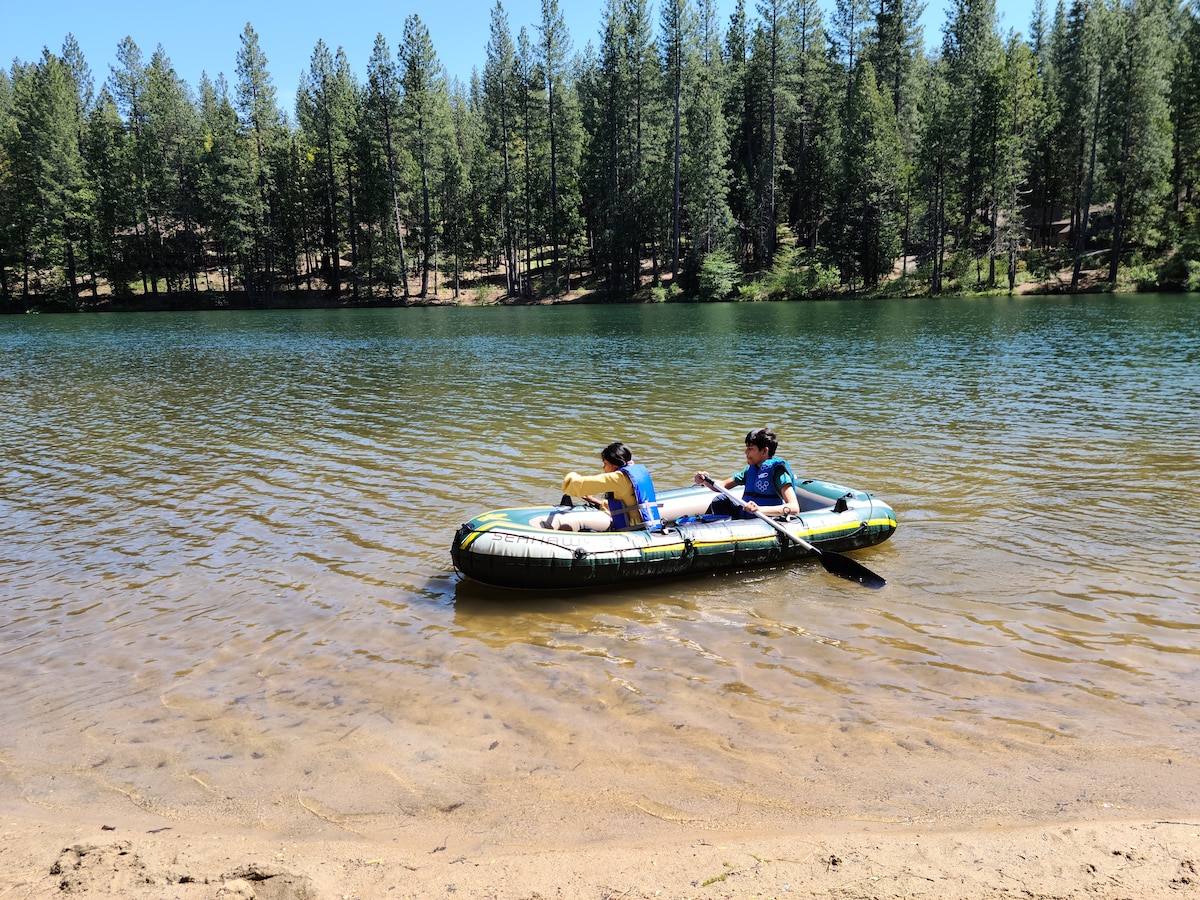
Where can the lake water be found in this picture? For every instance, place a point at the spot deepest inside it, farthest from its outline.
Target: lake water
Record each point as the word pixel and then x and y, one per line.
pixel 227 592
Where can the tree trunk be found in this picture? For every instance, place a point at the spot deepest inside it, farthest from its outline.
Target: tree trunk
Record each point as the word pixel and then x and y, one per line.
pixel 1119 206
pixel 1086 205
pixel 335 258
pixel 675 209
pixel 426 227
pixel 510 244
pixel 553 182
pixel 391 157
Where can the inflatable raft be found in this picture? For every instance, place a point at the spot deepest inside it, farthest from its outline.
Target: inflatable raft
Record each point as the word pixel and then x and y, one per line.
pixel 569 546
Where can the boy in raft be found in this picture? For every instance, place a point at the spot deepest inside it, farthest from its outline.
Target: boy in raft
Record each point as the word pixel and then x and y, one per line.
pixel 628 489
pixel 768 479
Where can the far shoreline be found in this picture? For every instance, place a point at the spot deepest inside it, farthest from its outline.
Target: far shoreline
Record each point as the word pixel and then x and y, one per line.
pixel 317 298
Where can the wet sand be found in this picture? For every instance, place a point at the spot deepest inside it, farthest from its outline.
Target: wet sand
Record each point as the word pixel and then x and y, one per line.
pixel 879 821
pixel 46 856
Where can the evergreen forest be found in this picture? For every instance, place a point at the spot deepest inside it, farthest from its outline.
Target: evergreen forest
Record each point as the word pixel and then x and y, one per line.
pixel 777 153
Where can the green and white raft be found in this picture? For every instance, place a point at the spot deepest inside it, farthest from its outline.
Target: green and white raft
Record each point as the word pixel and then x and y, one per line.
pixel 569 546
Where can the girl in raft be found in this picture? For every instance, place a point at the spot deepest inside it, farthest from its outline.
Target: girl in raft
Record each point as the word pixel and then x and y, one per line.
pixel 628 490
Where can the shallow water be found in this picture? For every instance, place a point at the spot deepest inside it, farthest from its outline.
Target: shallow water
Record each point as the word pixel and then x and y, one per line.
pixel 226 581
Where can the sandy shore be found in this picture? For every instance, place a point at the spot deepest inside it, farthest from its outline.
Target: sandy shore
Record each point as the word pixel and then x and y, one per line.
pixel 881 817
pixel 53 856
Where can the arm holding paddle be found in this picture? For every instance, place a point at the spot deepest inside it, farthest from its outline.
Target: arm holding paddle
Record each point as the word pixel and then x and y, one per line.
pixel 834 563
pixel 789 506
pixel 586 486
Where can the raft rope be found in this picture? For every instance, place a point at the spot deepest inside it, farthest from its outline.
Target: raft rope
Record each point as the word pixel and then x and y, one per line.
pixel 578 552
pixel 582 553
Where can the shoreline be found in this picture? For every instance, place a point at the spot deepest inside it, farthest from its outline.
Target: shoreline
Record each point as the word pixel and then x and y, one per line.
pixel 46 856
pixel 1102 825
pixel 320 298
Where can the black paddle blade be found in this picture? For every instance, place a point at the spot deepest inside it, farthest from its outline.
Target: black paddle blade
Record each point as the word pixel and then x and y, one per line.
pixel 566 500
pixel 845 567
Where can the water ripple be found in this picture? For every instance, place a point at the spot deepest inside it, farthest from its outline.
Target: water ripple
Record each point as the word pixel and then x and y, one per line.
pixel 253 512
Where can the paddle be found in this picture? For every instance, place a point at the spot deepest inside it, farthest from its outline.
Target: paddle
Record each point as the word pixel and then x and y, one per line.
pixel 834 563
pixel 567 501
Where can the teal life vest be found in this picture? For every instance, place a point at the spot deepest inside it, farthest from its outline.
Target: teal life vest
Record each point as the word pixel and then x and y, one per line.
pixel 644 497
pixel 764 483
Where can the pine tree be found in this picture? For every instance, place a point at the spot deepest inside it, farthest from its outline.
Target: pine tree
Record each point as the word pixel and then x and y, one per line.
pixel 811 147
pixel 169 151
pixel 383 105
pixel 1017 111
pixel 483 244
pixel 81 72
pixel 324 109
pixel 627 150
pixel 896 51
pixel 225 184
pixel 1045 154
pixel 52 195
pixel 553 48
pixel 456 185
pixel 868 219
pixel 851 27
pixel 773 53
pixel 1185 119
pixel 530 88
pixel 103 150
pixel 935 156
pixel 263 125
pixel 973 52
pixel 569 153
pixel 127 82
pixel 677 28
pixel 1083 56
pixel 1138 152
pixel 500 112
pixel 426 115
pixel 739 106
pixel 704 181
pixel 8 199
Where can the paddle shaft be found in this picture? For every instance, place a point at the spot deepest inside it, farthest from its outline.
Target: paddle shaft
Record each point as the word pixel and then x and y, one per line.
pixel 776 525
pixel 834 563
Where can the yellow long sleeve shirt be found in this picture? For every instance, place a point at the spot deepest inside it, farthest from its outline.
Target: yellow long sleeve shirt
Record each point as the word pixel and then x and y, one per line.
pixel 615 483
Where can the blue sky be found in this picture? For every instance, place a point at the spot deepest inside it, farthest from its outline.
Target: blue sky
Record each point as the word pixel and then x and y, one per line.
pixel 205 36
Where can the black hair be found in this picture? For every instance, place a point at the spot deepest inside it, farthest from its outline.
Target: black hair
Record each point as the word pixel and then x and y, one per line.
pixel 763 439
pixel 617 454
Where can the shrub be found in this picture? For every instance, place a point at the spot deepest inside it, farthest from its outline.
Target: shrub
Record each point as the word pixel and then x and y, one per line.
pixel 665 292
pixel 1143 277
pixel 1193 275
pixel 719 276
pixel 1180 271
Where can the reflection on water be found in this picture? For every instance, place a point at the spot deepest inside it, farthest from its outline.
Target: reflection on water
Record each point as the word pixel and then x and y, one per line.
pixel 225 536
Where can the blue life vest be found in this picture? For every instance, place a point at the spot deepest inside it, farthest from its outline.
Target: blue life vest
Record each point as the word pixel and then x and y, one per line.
pixel 764 483
pixel 647 501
